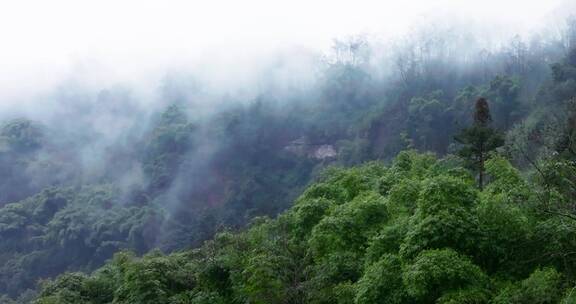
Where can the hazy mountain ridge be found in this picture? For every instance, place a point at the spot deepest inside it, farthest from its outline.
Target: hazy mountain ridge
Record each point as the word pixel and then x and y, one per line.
pixel 106 173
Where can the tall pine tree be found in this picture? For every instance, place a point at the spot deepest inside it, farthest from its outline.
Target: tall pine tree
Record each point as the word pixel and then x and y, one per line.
pixel 479 139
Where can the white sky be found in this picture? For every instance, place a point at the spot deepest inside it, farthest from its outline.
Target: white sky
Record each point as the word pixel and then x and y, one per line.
pixel 42 40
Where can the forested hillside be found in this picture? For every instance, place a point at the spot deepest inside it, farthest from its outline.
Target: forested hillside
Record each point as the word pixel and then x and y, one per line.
pixel 416 231
pixel 438 170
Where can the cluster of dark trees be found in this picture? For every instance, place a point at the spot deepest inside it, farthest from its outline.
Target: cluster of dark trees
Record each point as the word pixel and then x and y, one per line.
pixel 490 219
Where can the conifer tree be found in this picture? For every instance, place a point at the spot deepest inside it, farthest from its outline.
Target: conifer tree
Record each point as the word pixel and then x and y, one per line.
pixel 479 139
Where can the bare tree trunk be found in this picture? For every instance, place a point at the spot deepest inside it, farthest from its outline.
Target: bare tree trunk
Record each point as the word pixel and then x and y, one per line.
pixel 481 169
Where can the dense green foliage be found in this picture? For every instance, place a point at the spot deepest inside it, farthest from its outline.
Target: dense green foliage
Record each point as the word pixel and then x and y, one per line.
pixel 70 227
pixel 352 238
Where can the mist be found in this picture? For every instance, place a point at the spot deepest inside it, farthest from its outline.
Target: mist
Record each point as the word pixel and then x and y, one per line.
pixel 187 118
pixel 134 42
pixel 95 78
